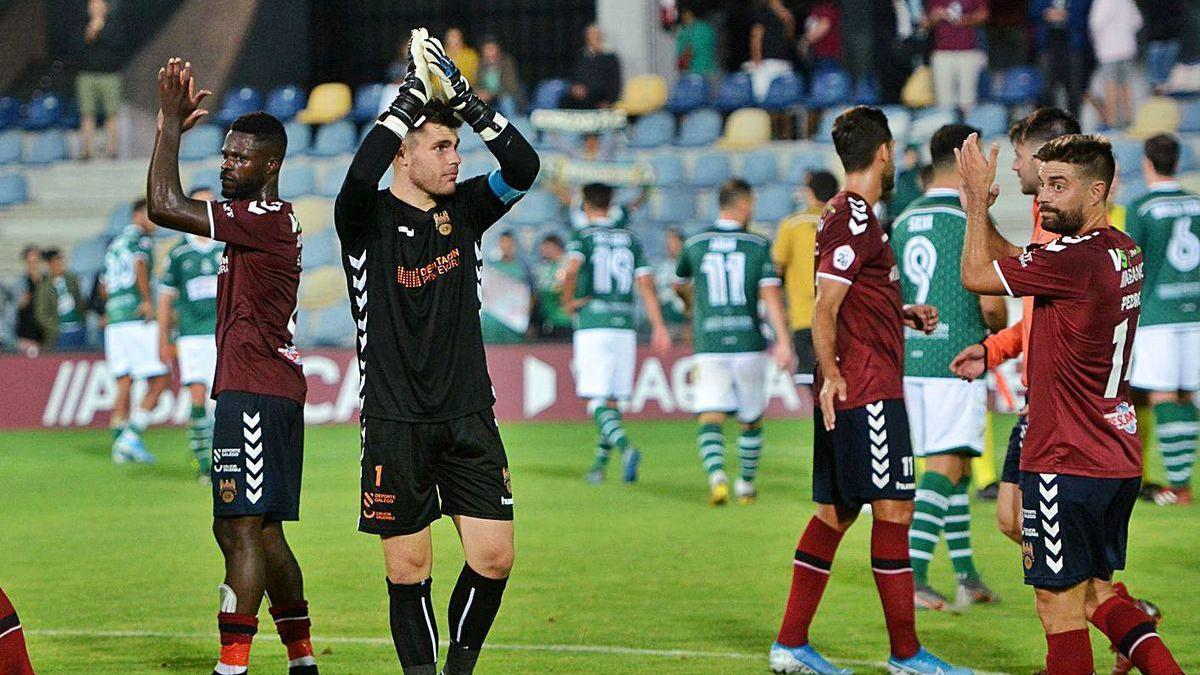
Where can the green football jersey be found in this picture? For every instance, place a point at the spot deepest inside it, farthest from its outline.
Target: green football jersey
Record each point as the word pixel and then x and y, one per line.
pixel 192 275
pixel 727 265
pixel 120 274
pixel 1166 224
pixel 612 259
pixel 927 239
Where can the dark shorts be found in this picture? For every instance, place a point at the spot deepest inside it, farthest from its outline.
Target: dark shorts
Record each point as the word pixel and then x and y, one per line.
pixel 1074 528
pixel 1012 459
pixel 806 356
pixel 414 472
pixel 867 457
pixel 258 456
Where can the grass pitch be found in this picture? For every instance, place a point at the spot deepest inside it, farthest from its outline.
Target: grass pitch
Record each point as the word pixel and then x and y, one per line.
pixel 113 568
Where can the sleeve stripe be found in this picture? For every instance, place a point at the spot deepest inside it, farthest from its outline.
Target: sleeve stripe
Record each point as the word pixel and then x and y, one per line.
pixel 681 280
pixel 996 266
pixel 770 281
pixel 644 271
pixel 502 190
pixel 834 277
pixel 212 228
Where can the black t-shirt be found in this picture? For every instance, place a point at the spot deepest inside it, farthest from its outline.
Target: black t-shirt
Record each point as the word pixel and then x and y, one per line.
pixel 413 278
pixel 775 44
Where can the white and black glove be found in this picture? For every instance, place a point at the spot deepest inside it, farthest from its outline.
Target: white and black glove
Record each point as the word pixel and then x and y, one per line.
pixel 415 91
pixel 457 92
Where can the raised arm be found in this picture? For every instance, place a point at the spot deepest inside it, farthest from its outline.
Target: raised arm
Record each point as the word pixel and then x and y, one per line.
pixel 179 110
pixel 982 244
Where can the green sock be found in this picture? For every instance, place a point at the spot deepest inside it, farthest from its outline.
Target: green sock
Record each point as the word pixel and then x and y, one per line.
pixel 958 531
pixel 118 428
pixel 932 502
pixel 711 438
pixel 603 450
pixel 608 420
pixel 1176 429
pixel 749 450
pixel 200 438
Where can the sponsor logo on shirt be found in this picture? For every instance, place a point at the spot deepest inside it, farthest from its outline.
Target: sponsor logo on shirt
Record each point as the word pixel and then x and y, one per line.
pixel 419 276
pixel 843 257
pixel 223 268
pixel 1123 418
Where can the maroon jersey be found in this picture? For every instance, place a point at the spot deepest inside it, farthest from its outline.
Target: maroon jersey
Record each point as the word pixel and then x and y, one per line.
pixel 852 249
pixel 1087 297
pixel 256 298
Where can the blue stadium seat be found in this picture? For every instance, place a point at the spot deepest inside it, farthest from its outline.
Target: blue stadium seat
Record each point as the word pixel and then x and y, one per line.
pixel 48 146
pixel 735 92
pixel 1128 152
pixel 477 164
pixel 760 167
pixel 43 112
pixel 10 112
pixel 202 142
pixel 299 138
pixel 1189 116
pixel 297 179
pixel 983 92
pixel 331 181
pixel 70 115
pixel 673 205
pixel 286 102
pixel 1128 189
pixel 700 128
pixel 335 138
pixel 927 122
pixel 1021 84
pixel 14 189
pixel 690 92
pixel 830 89
pixel 10 147
pixel 536 208
pixel 774 203
pixel 366 102
pixel 991 120
pixel 87 257
pixel 548 94
pixel 238 102
pixel 668 170
pixel 866 91
pixel 653 130
pixel 825 129
pixel 786 91
pixel 1160 60
pixel 899 121
pixel 1187 156
pixel 120 216
pixel 801 164
pixel 321 249
pixel 706 207
pixel 469 141
pixel 710 170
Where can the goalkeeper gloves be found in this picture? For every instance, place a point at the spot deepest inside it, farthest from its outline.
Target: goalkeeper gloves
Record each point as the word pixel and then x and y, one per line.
pixel 477 114
pixel 405 111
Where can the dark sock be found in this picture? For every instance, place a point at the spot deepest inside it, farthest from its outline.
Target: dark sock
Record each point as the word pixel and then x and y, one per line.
pixel 1069 653
pixel 473 607
pixel 14 658
pixel 1133 633
pixel 237 634
pixel 894 580
pixel 810 574
pixel 294 628
pixel 414 626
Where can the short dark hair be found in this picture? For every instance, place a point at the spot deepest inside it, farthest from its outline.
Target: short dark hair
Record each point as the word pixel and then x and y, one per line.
pixel 437 112
pixel 823 184
pixel 507 233
pixel 139 204
pixel 1046 124
pixel 1091 154
pixel 265 128
pixel 945 141
pixel 29 248
pixel 553 239
pixel 598 195
pixel 1163 152
pixel 1016 132
pixel 857 135
pixel 733 190
pixel 50 254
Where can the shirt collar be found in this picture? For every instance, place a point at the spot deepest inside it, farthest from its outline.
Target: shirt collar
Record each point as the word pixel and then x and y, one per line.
pixel 726 224
pixel 942 192
pixel 1165 186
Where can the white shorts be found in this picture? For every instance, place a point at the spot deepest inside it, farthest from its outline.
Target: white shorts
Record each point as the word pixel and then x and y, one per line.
pixel 197 359
pixel 1166 358
pixel 946 414
pixel 730 383
pixel 131 348
pixel 604 362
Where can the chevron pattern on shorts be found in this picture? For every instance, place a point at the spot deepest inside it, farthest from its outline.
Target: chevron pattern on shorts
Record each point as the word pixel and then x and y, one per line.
pixel 252 434
pixel 1048 517
pixel 881 468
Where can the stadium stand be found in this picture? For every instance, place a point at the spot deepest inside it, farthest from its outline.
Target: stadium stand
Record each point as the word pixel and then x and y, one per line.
pixel 735 92
pixel 10 147
pixel 699 128
pixel 286 102
pixel 14 189
pixel 690 92
pixel 201 143
pixel 237 103
pixel 643 94
pixel 710 170
pixel 328 102
pixel 746 128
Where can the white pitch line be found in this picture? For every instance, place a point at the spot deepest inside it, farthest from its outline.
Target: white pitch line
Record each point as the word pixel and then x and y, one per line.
pixel 349 639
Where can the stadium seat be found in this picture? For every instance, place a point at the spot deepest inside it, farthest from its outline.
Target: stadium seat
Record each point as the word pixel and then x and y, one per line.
pixel 830 89
pixel 690 92
pixel 1160 60
pixel 43 112
pixel 314 213
pixel 14 189
pixel 983 91
pixel 707 207
pixel 700 128
pixel 710 170
pixel 802 163
pixel 335 138
pixel 536 208
pixel 774 203
pixel 297 179
pixel 1187 156
pixel 760 167
pixel 477 164
pixel 1021 84
pixel 668 170
pixel 927 122
pixel 786 91
pixel 202 142
pixel 120 216
pixel 673 205
pixel 47 147
pixel 1157 115
pixel 10 147
pixel 87 256
pixel 991 120
pixel 866 91
pixel 299 138
pixel 238 102
pixel 1128 153
pixel 366 102
pixel 899 121
pixel 643 94
pixel 825 129
pixel 1189 116
pixel 469 141
pixel 652 131
pixel 331 180
pixel 10 112
pixel 320 249
pixel 328 102
pixel 286 102
pixel 548 94
pixel 735 92
pixel 746 128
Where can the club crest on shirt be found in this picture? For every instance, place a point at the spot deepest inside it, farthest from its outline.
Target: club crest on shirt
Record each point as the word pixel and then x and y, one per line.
pixel 442 221
pixel 228 489
pixel 1123 418
pixel 1027 554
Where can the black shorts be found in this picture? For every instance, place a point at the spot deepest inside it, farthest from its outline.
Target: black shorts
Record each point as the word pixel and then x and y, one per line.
pixel 806 356
pixel 867 457
pixel 1074 528
pixel 258 456
pixel 413 472
pixel 1012 459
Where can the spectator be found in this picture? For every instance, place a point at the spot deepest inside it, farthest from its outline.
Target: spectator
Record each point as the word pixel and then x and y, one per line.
pixel 859 36
pixel 1061 29
pixel 498 82
pixel 552 322
pixel 98 86
pixel 695 45
pixel 957 58
pixel 772 33
pixel 59 306
pixel 908 182
pixel 1165 22
pixel 597 79
pixel 29 334
pixel 821 44
pixel 893 48
pixel 1008 34
pixel 507 301
pixel 463 56
pixel 1114 25
pixel 794 255
pixel 673 309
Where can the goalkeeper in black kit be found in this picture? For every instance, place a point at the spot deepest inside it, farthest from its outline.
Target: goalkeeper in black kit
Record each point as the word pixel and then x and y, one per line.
pixel 430 445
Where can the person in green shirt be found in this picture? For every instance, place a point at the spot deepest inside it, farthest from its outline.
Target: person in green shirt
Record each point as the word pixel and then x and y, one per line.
pixel 58 306
pixel 673 308
pixel 1166 354
pixel 723 273
pixel 947 416
pixel 507 303
pixel 606 270
pixel 695 44
pixel 553 322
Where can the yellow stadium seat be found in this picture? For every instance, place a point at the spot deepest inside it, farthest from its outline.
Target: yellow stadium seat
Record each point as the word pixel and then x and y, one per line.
pixel 746 128
pixel 643 94
pixel 328 102
pixel 314 213
pixel 1158 115
pixel 322 287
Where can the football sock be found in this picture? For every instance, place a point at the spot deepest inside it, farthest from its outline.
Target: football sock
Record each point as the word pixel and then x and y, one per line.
pixel 14 657
pixel 749 450
pixel 894 580
pixel 958 531
pixel 414 626
pixel 138 421
pixel 1069 653
pixel 603 450
pixel 810 574
pixel 200 436
pixel 711 438
pixel 473 607
pixel 932 504
pixel 608 420
pixel 118 428
pixel 293 625
pixel 1133 633
pixel 1176 428
pixel 237 632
